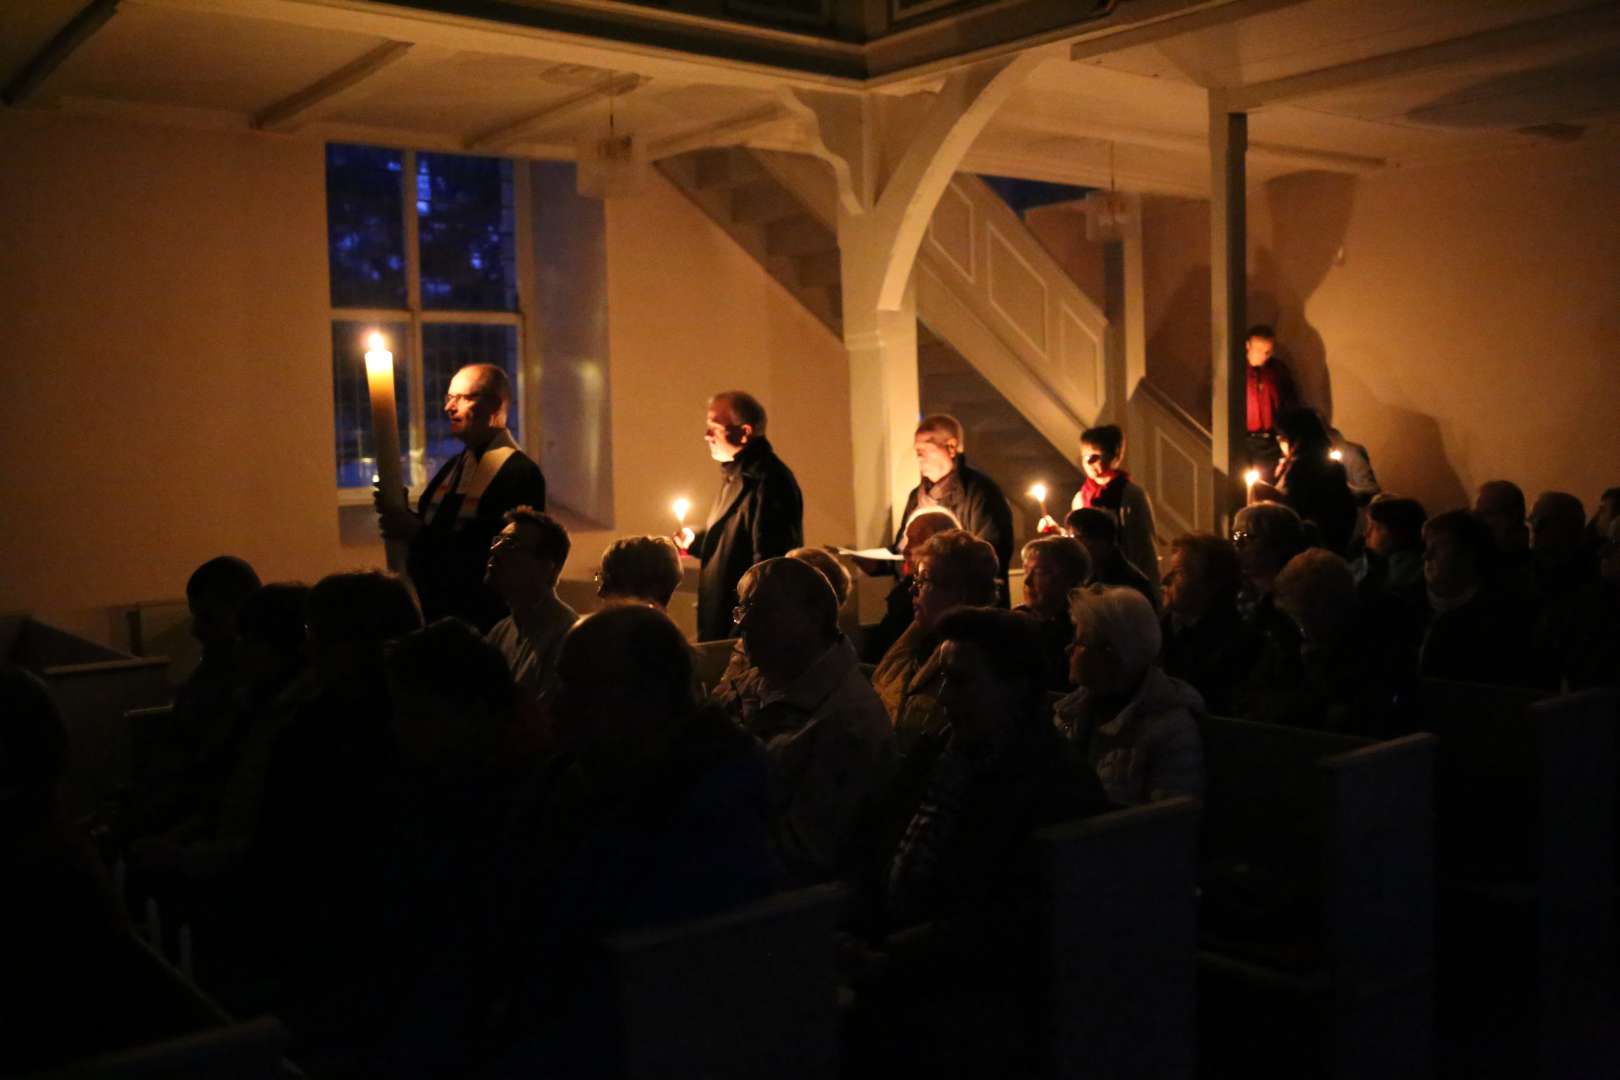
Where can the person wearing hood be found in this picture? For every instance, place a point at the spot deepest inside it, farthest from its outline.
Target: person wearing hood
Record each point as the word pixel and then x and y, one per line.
pixel 1136 725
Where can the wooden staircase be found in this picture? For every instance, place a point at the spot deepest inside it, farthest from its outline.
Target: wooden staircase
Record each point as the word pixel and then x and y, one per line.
pixel 794 246
pixel 797 244
pixel 1000 441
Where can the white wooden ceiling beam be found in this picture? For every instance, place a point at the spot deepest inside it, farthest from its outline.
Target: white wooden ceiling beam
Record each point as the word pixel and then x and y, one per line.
pixel 1575 27
pixel 326 95
pixel 31 81
pixel 1282 153
pixel 527 127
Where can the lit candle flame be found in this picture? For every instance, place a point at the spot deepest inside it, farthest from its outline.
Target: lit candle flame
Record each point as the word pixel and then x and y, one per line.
pixel 1037 492
pixel 1336 454
pixel 375 342
pixel 1251 477
pixel 681 506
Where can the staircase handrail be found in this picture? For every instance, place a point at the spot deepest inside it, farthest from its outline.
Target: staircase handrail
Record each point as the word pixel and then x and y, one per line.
pixel 1174 407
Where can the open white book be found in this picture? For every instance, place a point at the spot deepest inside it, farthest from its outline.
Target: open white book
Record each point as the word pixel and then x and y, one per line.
pixel 871 553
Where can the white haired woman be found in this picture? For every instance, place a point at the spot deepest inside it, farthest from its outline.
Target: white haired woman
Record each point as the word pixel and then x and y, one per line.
pixel 1136 725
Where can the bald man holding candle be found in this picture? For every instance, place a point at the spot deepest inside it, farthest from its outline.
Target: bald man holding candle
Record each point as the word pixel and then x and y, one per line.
pixel 463 507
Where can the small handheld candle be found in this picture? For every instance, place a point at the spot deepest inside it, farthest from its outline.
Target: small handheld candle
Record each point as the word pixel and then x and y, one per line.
pixel 1037 491
pixel 1251 477
pixel 681 506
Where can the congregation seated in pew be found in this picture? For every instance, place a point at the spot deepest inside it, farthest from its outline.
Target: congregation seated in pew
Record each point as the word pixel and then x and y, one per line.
pixel 1054 566
pixel 1476 632
pixel 799 690
pixel 410 855
pixel 273 680
pixel 1206 642
pixel 1098 530
pixel 175 766
pixel 640 569
pixel 944 960
pixel 953 569
pixel 1352 676
pixel 897 605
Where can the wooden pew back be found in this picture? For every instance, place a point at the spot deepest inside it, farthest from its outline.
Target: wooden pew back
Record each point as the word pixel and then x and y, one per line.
pixel 1262 799
pixel 1348 823
pixel 747 994
pixel 93 686
pixel 1122 931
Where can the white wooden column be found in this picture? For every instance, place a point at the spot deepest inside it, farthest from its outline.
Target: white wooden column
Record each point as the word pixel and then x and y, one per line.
pixel 883 408
pixel 887 194
pixel 1228 271
pixel 1134 329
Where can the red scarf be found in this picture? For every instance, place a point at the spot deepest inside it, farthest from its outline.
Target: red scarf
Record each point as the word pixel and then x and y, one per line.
pixel 1107 495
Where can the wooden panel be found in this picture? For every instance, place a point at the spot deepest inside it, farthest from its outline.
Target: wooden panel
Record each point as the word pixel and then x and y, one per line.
pixel 1081 361
pixel 951 230
pixel 1177 477
pixel 1017 292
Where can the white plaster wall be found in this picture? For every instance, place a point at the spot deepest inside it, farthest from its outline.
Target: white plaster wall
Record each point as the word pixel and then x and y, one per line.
pixel 167 363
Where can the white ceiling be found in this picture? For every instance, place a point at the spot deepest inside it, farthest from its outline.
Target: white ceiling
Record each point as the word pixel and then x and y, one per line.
pixel 1138 115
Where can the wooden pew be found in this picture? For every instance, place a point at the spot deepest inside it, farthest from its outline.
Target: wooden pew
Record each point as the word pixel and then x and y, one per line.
pixel 1121 919
pixel 753 993
pixel 1526 818
pixel 1342 828
pixel 94 686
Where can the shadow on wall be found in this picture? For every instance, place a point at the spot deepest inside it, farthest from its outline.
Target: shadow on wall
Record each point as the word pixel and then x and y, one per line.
pixel 1178 347
pixel 1407 449
pixel 1310 213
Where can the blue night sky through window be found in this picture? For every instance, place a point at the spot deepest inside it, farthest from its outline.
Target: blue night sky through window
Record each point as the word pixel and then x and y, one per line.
pixel 467 259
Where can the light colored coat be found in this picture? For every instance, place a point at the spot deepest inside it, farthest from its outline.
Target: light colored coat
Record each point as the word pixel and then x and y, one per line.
pixel 1151 750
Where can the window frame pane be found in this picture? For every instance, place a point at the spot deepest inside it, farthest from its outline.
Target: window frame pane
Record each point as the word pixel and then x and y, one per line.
pixel 415 317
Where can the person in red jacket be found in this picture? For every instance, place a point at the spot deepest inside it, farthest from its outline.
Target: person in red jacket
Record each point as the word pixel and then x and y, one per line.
pixel 1270 391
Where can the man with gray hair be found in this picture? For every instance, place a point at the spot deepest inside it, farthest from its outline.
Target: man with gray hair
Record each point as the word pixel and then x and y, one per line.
pixel 757 514
pixel 1136 725
pixel 825 731
pixel 947 480
pixel 465 504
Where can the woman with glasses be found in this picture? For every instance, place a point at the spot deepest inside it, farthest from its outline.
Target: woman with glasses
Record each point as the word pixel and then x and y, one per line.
pixel 1136 725
pixel 953 569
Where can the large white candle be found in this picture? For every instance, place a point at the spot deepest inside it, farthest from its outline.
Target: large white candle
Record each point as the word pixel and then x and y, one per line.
pixel 385 436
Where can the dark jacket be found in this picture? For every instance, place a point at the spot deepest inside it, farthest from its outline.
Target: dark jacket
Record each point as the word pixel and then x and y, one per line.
pixel 524 985
pixel 979 505
pixel 1118 571
pixel 758 514
pixel 1485 640
pixel 447 558
pixel 1057 634
pixel 1213 655
pixel 1318 490
pixel 1035 782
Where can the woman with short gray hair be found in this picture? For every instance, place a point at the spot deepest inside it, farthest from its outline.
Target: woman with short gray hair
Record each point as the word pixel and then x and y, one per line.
pixel 1136 725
